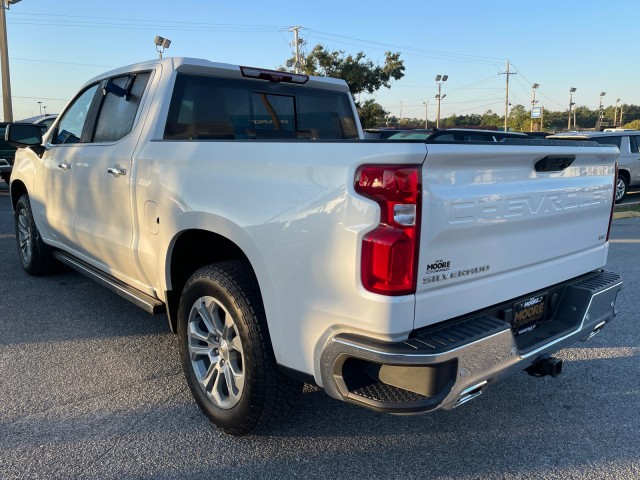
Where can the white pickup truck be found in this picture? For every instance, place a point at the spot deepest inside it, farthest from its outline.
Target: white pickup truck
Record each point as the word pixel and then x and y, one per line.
pixel 403 276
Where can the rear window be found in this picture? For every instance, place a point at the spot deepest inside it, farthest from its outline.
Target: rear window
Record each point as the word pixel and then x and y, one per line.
pixel 207 108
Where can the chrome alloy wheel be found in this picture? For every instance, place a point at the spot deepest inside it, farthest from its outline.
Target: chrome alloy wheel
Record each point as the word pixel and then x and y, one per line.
pixel 216 353
pixel 25 236
pixel 621 189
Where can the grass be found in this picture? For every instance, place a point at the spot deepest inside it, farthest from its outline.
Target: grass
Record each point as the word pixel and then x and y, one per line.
pixel 626 211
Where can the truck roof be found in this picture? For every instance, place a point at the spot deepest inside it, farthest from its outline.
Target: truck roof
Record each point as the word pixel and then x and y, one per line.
pixel 202 66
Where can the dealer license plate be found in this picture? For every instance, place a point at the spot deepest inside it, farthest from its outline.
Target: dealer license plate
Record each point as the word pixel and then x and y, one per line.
pixel 529 313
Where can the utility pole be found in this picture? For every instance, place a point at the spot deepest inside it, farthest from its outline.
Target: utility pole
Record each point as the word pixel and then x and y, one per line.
pixel 621 106
pixel 400 112
pixel 506 99
pixel 296 44
pixel 533 103
pixel 4 58
pixel 426 114
pixel 615 113
pixel 440 79
pixel 571 104
pixel 40 105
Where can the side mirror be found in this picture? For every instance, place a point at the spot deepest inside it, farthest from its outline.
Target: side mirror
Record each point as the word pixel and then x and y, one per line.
pixel 22 135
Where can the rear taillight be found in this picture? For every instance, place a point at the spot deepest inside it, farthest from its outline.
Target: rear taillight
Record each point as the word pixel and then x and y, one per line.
pixel 613 202
pixel 390 251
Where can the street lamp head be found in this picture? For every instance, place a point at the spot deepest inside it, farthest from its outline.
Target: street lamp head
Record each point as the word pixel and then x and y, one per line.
pixel 445 77
pixel 443 96
pixel 572 89
pixel 535 85
pixel 602 94
pixel 158 40
pixel 617 100
pixel 438 77
pixel 166 43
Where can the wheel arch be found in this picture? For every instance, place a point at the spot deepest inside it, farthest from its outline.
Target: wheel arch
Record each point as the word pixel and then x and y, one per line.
pixel 625 173
pixel 190 250
pixel 18 188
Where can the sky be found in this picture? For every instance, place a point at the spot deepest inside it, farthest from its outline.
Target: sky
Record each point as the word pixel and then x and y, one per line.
pixel 56 46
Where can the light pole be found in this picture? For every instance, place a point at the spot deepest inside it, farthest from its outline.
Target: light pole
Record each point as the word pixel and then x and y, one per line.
pixel 600 112
pixel 571 104
pixel 426 114
pixel 4 58
pixel 44 107
pixel 40 105
pixel 161 44
pixel 440 79
pixel 615 114
pixel 533 102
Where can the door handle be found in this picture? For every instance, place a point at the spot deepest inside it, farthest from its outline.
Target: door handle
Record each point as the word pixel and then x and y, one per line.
pixel 115 171
pixel 64 166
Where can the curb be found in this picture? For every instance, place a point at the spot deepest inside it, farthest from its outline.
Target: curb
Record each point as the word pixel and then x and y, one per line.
pixel 617 215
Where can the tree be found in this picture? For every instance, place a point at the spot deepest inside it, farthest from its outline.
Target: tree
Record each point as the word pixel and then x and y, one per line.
pixel 361 74
pixel 519 120
pixel 371 114
pixel 635 125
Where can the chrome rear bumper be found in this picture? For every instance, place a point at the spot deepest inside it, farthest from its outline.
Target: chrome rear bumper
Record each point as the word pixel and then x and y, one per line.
pixel 448 365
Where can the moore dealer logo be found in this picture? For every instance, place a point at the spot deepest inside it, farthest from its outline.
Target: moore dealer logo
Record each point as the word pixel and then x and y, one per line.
pixel 439 266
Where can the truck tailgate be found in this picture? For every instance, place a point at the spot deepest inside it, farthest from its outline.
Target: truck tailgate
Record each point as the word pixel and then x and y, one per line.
pixel 498 223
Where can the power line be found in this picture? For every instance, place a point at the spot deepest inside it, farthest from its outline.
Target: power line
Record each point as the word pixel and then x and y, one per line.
pixel 62 63
pixel 146 20
pixel 492 60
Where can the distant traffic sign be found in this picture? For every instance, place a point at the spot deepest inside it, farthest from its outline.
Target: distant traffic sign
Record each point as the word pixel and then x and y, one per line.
pixel 536 112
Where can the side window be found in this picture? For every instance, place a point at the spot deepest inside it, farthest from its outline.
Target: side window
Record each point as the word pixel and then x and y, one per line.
pixel 445 137
pixel 635 143
pixel 73 120
pixel 118 113
pixel 608 140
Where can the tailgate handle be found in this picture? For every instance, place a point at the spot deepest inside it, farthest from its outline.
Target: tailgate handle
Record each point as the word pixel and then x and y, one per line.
pixel 554 163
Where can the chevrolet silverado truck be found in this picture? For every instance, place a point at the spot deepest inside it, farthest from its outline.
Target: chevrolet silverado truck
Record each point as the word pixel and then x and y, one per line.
pixel 284 248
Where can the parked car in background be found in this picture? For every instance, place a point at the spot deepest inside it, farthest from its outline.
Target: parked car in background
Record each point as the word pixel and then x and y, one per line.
pixel 473 135
pixel 538 135
pixel 7 155
pixel 384 133
pixel 45 121
pixel 628 142
pixel 8 152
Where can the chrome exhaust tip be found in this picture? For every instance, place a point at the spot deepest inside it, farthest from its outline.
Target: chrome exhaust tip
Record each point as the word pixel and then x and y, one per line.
pixel 470 393
pixel 596 330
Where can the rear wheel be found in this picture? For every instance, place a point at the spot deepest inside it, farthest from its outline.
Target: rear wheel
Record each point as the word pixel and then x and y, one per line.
pixel 621 187
pixel 226 352
pixel 32 251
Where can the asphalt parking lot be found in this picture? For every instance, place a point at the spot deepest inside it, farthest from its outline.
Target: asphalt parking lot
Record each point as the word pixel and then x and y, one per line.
pixel 90 387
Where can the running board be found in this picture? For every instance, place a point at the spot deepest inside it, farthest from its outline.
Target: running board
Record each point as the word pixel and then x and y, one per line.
pixel 141 299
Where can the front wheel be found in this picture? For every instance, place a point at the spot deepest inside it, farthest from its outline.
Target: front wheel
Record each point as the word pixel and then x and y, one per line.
pixel 226 352
pixel 621 188
pixel 32 251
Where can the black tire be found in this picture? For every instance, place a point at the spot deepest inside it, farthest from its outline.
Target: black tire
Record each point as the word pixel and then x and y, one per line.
pixel 622 186
pixel 34 254
pixel 222 328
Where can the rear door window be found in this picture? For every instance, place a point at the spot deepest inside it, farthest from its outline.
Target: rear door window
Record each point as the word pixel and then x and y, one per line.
pixel 208 108
pixel 635 143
